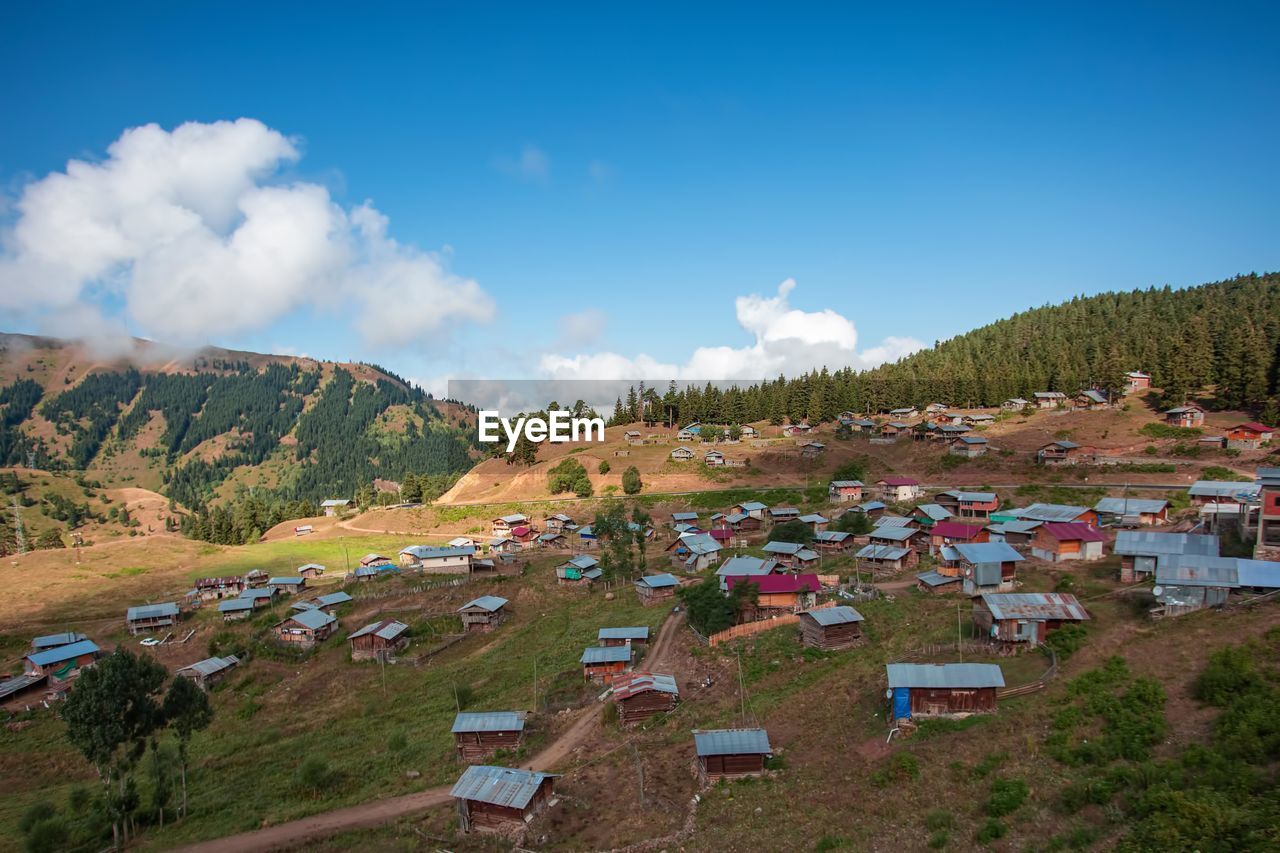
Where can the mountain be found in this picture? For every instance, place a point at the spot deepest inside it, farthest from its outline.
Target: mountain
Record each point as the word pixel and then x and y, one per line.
pixel 197 426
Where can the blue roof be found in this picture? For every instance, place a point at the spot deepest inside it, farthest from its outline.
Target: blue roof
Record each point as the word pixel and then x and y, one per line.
pixel 638 632
pixel 933 578
pixel 972 497
pixel 152 611
pixel 784 510
pixel 659 581
pixel 684 516
pixel 486 602
pixel 49 641
pixel 987 552
pixel 814 518
pixel 1259 573
pixel 387 629
pixel 258 592
pixel 834 615
pixel 832 536
pixel 732 742
pixel 1150 543
pixel 1052 512
pixel 882 552
pixel 783 548
pixel 234 605
pixel 935 512
pixel 285 581
pixel 499 786
pixel 426 552
pixel 63 653
pixel 1129 506
pixel 313 619
pixel 333 598
pixel 894 533
pixel 753 506
pixel 606 654
pixel 959 675
pixel 488 721
pixel 699 543
pixel 582 561
pixel 870 505
pixel 745 565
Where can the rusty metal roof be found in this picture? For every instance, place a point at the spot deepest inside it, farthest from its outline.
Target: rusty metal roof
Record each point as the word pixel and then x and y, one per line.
pixel 1035 606
pixel 626 686
pixel 499 786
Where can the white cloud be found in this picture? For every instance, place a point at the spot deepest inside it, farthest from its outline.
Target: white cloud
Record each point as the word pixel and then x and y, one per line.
pixel 582 328
pixel 195 234
pixel 532 164
pixel 788 341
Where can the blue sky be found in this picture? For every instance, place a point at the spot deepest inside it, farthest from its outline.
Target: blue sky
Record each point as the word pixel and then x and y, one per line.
pixel 644 166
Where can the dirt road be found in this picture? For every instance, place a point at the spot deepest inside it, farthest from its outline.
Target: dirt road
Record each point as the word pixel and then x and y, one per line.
pixel 380 812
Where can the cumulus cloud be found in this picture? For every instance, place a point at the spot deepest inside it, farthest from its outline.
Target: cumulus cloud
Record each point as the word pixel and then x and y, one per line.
pixel 532 164
pixel 195 234
pixel 787 341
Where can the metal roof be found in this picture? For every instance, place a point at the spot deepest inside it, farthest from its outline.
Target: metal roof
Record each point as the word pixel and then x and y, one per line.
pixel 49 641
pixel 971 497
pixel 732 742
pixel 313 619
pixel 753 506
pixel 285 581
pixel 1093 395
pixel 490 603
pixel 387 629
pixel 334 502
pixel 1073 531
pixel 1126 506
pixel 626 686
pixel 1194 570
pixel 659 581
pixel 499 786
pixel 1034 606
pixel 427 552
pixel 63 653
pixel 936 512
pixel 582 561
pixel 783 548
pixel 212 666
pixel 700 544
pixel 784 510
pixel 893 533
pixel 1052 512
pixel 1269 476
pixel 846 484
pixel 745 565
pixel 152 611
pixel 259 592
pixel 234 605
pixel 893 521
pixel 684 516
pixel 605 654
pixel 1152 544
pixel 933 578
pixel 814 518
pixel 882 552
pixel 870 505
pixel 332 598
pixel 987 552
pixel 944 675
pixel 1223 489
pixel 636 632
pixel 515 518
pixel 832 536
pixel 842 615
pixel 1259 573
pixel 1020 525
pixel 488 721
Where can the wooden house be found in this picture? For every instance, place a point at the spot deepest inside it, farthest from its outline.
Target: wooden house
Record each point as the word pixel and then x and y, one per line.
pixel 1223 492
pixel 898 489
pixel 236 609
pixel 694 552
pixel 216 589
pixel 968 446
pixel 1140 551
pixel 506 545
pixel 62 662
pixel 1132 512
pixel 1014 404
pixel 935 408
pixel 602 663
pixel 1136 380
pixel 640 695
pixel 370 560
pixel 524 535
pixel 755 509
pixel 935 582
pixel 903 413
pixel 501 799
pixel 1060 541
pixel 845 491
pixel 1018 532
pixel 899 536
pixel 633 436
pixel 782 514
pixel 678 518
pixel 334 506
pixel 741 523
pixel 944 533
pixel 290 585
pixel 834 541
pixel 682 454
pixel 1060 453
pixel 887 558
pixel 501 527
pixel 327 602
pixel 655 589
pixel 483 614
pixel 816 522
pixel 892 431
pixel 208 672
pixel 748 431
pixel 1249 436
pixel 942 689
pixel 968 504
pixel 713 459
pixel 256 578
pixel 776 595
pixel 692 432
pixel 812 449
pixel 744 566
pixel 152 617
pixel 791 555
pixel 633 635
pixel 552 541
pixel 929 514
pixel 831 628
pixel 793 430
pixel 1025 617
pixel 1091 400
pixel 1188 417
pixel 731 753
pixel 987 566
pixel 1058 512
pixel 581 570
pixel 477 735
pixel 380 640
pixel 1049 399
pixel 306 628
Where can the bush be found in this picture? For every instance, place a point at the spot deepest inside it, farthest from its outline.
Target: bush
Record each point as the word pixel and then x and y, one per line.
pixel 1159 430
pixel 604 466
pixel 1221 474
pixel 1067 639
pixel 939 819
pixel 631 484
pixel 564 477
pixel 313 775
pixel 990 831
pixel 1006 796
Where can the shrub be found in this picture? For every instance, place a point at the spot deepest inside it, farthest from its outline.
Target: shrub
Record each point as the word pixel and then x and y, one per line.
pixel 631 483
pixel 565 476
pixel 604 466
pixel 1219 473
pixel 313 775
pixel 990 831
pixel 1067 639
pixel 1159 430
pixel 1006 796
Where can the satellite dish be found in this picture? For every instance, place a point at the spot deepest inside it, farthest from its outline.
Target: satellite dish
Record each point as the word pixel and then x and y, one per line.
pixel 888 694
pixel 1157 591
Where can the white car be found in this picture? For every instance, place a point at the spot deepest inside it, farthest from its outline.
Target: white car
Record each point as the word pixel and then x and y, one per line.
pixel 150 641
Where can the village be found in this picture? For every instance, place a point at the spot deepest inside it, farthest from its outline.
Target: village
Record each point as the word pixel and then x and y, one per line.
pixel 995 580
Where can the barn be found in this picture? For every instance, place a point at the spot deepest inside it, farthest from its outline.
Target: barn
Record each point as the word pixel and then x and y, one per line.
pixel 501 799
pixel 1025 617
pixel 379 640
pixel 307 628
pixel 640 695
pixel 484 613
pixel 831 628
pixel 943 689
pixel 208 672
pixel 149 617
pixel 653 589
pixel 602 664
pixel 479 734
pixel 731 753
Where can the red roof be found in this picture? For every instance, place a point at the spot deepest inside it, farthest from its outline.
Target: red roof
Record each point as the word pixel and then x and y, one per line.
pixel 1072 530
pixel 521 531
pixel 900 481
pixel 1254 426
pixel 721 534
pixel 777 583
pixel 955 530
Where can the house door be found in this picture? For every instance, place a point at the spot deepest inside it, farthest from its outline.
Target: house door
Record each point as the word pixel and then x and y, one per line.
pixel 901 703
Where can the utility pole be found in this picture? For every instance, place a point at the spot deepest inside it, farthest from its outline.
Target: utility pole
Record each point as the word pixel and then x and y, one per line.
pixel 17 527
pixel 742 691
pixel 959 642
pixel 535 685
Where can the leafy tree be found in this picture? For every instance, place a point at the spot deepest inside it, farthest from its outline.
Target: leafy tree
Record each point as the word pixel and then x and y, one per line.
pixel 854 469
pixel 791 531
pixel 565 476
pixel 857 523
pixel 50 539
pixel 582 487
pixel 631 483
pixel 709 610
pixel 604 466
pixel 187 709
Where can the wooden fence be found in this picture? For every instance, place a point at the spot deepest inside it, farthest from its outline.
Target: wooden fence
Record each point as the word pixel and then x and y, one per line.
pixel 373 595
pixel 748 628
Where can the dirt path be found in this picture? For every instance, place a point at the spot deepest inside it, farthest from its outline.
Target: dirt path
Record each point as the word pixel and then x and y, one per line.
pixel 656 659
pixel 379 812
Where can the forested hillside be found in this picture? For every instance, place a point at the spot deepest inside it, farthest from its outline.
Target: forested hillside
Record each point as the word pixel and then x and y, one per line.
pixel 1218 340
pixel 332 432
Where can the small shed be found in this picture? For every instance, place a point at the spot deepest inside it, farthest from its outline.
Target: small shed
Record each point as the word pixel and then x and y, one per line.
pixel 150 617
pixel 943 689
pixel 236 609
pixel 306 629
pixel 602 664
pixel 831 628
pixel 479 734
pixel 731 753
pixel 640 695
pixel 208 672
pixel 289 585
pixel 653 589
pixel 379 640
pixel 501 799
pixel 484 613
pixel 1025 617
pixel 637 635
pixel 580 570
pixel 310 571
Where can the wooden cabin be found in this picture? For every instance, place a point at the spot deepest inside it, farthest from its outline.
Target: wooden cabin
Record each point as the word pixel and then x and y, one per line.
pixel 968 446
pixel 306 628
pixel 731 753
pixel 791 555
pixel 887 558
pixel 964 504
pixel 942 689
pixel 602 664
pixel 831 628
pixel 152 617
pixel 581 570
pixel 477 735
pixel 439 560
pixel 483 614
pixel 634 635
pixel 945 533
pixel 334 506
pixel 372 559
pixel 640 695
pixel 1140 551
pixel 216 589
pixel 208 672
pixel 256 579
pixel 1132 512
pixel 380 640
pixel 1025 617
pixel 1091 400
pixel 815 521
pixel 1060 453
pixel 834 541
pixel 682 454
pixel 501 527
pixel 236 609
pixel 986 566
pixel 1058 541
pixel 1187 417
pixel 501 799
pixel 776 594
pixel 1049 399
pixel 290 585
pixel 654 589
